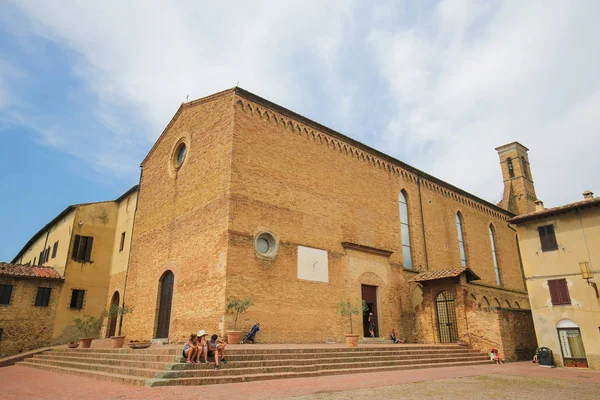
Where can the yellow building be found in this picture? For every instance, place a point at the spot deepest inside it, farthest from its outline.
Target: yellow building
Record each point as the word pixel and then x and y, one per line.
pixel 561 252
pixel 82 244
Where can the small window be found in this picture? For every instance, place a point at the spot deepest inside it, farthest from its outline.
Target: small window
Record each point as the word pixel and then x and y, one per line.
pixel 5 293
pixel 525 168
pixel 122 241
pixel 43 297
pixel 1 331
pixel 547 238
pixel 42 257
pixel 77 299
pixel 34 261
pixel 511 170
pixel 54 249
pixel 559 292
pixel 82 248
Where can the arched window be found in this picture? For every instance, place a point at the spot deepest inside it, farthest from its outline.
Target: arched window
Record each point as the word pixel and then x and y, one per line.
pixel 495 255
pixel 525 168
pixel 405 231
pixel 511 170
pixel 461 242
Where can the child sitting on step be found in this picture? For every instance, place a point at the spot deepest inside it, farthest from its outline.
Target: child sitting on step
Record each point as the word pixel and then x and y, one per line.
pixel 216 347
pixel 495 356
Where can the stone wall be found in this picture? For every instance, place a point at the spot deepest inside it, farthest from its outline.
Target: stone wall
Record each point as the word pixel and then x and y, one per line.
pixel 24 325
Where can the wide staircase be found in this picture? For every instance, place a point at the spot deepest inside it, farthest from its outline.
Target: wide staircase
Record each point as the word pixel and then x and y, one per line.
pixel 162 366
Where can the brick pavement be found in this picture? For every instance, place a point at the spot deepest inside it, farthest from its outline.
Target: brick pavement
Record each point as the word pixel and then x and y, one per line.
pixel 21 383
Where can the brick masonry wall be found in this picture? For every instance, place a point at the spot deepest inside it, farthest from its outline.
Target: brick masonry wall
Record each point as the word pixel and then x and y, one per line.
pixel 309 190
pixel 181 224
pixel 24 325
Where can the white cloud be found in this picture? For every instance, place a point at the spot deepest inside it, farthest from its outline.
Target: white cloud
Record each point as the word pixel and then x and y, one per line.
pixel 486 76
pixel 450 82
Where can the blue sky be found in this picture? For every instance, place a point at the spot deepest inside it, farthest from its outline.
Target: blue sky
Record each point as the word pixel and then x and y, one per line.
pixel 86 87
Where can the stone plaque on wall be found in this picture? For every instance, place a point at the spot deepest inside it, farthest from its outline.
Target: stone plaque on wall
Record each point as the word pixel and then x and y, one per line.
pixel 312 264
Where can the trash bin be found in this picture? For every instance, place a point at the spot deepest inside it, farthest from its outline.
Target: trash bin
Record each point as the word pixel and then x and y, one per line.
pixel 545 357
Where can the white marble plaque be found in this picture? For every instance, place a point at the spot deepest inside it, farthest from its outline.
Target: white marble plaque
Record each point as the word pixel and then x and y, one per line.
pixel 312 264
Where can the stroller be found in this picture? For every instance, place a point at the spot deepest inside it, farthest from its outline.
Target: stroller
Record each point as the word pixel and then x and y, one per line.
pixel 250 336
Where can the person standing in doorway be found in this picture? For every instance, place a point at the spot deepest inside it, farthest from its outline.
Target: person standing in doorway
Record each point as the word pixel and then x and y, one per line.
pixel 371 325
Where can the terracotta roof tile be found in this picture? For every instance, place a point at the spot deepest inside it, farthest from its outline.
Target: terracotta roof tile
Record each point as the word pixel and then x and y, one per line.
pixel 28 271
pixel 555 210
pixel 445 273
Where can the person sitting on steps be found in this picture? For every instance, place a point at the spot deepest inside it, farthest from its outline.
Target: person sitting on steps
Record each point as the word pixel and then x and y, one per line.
pixel 495 356
pixel 393 336
pixel 202 346
pixel 190 348
pixel 216 347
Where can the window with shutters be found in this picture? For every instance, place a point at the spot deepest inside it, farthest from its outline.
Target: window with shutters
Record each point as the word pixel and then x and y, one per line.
pixel 559 292
pixel 5 293
pixel 42 257
pixel 34 261
pixel 54 249
pixel 43 297
pixel 77 299
pixel 82 248
pixel 547 238
pixel 122 241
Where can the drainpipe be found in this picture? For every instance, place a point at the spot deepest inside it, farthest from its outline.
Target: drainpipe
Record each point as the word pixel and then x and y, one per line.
pixel 423 224
pixel 129 255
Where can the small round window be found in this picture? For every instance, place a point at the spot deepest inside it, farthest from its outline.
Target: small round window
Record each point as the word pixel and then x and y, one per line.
pixel 180 155
pixel 265 245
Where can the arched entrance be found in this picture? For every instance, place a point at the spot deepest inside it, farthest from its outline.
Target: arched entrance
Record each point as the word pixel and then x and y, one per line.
pixel 446 317
pixel 112 324
pixel 164 307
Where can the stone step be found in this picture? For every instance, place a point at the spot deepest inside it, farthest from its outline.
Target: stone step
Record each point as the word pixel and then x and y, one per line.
pixel 234 356
pixel 226 370
pixel 90 366
pixel 175 351
pixel 127 379
pixel 285 375
pixel 181 365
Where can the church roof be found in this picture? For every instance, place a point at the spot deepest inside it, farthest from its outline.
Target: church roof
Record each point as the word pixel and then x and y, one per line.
pixel 28 271
pixel 445 273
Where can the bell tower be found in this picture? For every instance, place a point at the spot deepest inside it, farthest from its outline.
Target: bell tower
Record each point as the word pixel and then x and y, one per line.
pixel 519 193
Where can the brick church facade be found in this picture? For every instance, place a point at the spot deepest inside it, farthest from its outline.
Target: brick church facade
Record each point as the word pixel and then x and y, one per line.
pixel 240 197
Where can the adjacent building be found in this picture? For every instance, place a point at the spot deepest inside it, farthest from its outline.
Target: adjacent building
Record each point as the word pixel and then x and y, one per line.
pixel 240 197
pixel 87 245
pixel 561 254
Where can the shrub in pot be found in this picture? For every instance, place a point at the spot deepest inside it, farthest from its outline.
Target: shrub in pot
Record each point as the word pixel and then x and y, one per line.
pixel 347 309
pixel 86 325
pixel 238 306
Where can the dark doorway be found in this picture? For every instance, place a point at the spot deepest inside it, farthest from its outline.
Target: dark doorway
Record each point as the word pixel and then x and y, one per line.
pixel 446 317
pixel 369 296
pixel 112 324
pixel 164 308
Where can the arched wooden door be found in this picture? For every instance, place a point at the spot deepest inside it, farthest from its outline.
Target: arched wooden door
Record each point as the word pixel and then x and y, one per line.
pixel 446 317
pixel 112 325
pixel 164 308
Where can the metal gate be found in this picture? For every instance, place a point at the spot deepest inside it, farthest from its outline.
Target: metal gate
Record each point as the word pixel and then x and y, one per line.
pixel 446 317
pixel 164 309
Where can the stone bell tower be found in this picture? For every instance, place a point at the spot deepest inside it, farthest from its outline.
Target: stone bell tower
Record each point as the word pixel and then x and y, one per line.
pixel 519 193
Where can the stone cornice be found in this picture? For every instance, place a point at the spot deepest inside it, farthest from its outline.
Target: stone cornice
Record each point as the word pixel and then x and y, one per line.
pixel 367 249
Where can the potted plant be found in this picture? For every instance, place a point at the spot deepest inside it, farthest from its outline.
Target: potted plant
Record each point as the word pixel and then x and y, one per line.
pixel 115 312
pixel 239 307
pixel 86 325
pixel 347 309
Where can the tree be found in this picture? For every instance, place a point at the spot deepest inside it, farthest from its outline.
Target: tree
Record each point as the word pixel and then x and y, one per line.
pixel 88 323
pixel 238 306
pixel 114 311
pixel 347 309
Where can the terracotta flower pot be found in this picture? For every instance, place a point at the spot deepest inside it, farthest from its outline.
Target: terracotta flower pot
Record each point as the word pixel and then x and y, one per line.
pixel 352 339
pixel 117 341
pixel 86 342
pixel 139 345
pixel 72 345
pixel 233 337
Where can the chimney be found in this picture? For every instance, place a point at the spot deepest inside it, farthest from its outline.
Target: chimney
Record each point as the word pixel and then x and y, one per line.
pixel 539 205
pixel 588 195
